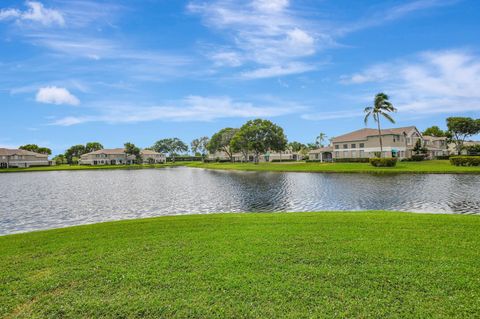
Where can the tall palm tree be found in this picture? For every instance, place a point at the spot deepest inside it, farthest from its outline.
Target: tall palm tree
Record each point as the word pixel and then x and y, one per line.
pixel 381 107
pixel 320 138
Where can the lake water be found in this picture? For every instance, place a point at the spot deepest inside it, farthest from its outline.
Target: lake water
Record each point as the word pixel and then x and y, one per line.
pixel 44 200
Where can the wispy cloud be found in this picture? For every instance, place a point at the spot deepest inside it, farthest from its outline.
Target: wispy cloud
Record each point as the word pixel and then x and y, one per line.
pixel 430 82
pixel 191 108
pixel 268 34
pixel 35 12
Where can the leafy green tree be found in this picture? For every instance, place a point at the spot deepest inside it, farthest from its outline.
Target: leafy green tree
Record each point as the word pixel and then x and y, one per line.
pixel 131 149
pixel 260 136
pixel 171 146
pixel 381 107
pixel 434 131
pixel 93 146
pixel 221 141
pixel 60 159
pixel 296 146
pixel 74 151
pixel 199 145
pixel 460 128
pixel 419 148
pixel 37 149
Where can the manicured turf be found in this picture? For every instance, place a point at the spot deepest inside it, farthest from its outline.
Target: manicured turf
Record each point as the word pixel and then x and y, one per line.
pixel 434 166
pixel 295 265
pixel 79 167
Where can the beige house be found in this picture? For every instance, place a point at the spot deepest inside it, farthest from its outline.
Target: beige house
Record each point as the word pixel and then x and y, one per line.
pixel 22 158
pixel 267 157
pixel 452 148
pixel 117 156
pixel 364 143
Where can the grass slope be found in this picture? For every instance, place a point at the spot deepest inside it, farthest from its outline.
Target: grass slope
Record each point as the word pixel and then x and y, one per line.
pixel 296 265
pixel 434 166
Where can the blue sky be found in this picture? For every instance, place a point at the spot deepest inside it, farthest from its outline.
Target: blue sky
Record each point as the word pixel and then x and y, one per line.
pixel 74 71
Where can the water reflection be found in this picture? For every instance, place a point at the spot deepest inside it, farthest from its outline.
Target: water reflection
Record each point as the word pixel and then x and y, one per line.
pixel 31 201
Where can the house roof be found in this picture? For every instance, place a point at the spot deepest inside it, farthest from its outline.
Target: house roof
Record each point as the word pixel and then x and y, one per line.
pixel 119 151
pixel 364 133
pixel 322 150
pixel 10 152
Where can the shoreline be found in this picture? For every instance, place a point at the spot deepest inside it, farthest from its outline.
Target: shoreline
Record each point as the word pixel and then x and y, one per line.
pixel 425 167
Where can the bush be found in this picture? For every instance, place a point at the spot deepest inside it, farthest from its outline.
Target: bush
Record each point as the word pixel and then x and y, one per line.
pixel 282 160
pixel 185 159
pixel 418 157
pixel 465 160
pixel 442 157
pixel 383 162
pixel 351 160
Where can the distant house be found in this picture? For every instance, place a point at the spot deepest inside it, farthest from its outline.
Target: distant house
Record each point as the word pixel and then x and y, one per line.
pixel 266 157
pixel 452 148
pixel 117 156
pixel 364 143
pixel 22 158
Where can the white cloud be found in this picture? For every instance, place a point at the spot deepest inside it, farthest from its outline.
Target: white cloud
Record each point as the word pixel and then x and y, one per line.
pixel 191 108
pixel 56 95
pixel 277 70
pixel 431 82
pixel 263 33
pixel 35 12
pixel 332 115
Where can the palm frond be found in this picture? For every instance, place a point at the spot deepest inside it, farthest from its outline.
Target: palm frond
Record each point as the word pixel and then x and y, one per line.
pixel 388 117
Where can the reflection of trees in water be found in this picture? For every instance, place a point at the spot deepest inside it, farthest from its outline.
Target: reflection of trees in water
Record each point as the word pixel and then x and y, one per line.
pixel 464 206
pixel 257 191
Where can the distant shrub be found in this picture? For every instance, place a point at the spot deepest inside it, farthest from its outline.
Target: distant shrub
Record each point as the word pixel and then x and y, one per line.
pixel 185 159
pixel 442 157
pixel 418 157
pixel 383 162
pixel 465 160
pixel 351 160
pixel 282 160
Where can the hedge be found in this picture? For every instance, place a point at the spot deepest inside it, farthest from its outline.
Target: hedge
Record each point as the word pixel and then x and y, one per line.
pixel 383 162
pixel 465 160
pixel 185 159
pixel 351 160
pixel 442 157
pixel 283 160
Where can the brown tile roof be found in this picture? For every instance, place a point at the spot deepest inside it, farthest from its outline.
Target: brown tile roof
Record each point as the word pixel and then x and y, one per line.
pixel 322 149
pixel 362 134
pixel 10 152
pixel 119 151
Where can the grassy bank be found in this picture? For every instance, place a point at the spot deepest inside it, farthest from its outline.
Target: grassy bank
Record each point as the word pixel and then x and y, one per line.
pixel 436 166
pixel 372 264
pixel 79 167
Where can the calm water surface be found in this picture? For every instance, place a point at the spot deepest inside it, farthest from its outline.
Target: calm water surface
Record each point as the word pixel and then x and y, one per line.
pixel 44 200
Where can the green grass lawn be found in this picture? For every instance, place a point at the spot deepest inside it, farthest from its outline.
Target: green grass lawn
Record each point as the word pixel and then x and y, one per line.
pixel 434 166
pixel 79 167
pixel 295 265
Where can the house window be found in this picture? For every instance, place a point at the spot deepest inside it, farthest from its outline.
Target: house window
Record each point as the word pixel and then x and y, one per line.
pixel 345 145
pixel 409 140
pixel 354 154
pixel 354 145
pixel 362 145
pixel 337 147
pixel 345 154
pixel 362 154
pixel 337 154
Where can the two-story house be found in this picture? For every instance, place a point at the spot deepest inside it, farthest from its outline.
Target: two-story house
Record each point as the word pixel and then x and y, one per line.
pixel 22 158
pixel 117 156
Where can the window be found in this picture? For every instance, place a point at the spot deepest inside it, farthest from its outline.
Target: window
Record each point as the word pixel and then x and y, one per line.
pixel 336 147
pixel 354 145
pixel 337 154
pixel 345 145
pixel 345 154
pixel 354 154
pixel 362 145
pixel 409 140
pixel 362 154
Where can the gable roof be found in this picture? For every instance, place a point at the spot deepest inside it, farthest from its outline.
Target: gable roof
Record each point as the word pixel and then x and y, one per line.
pixel 11 152
pixel 363 134
pixel 119 151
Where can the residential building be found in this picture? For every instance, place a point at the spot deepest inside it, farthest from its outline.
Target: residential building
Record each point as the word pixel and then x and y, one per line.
pixel 364 143
pixel 452 147
pixel 22 158
pixel 266 157
pixel 117 156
